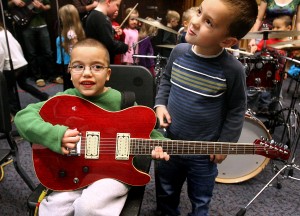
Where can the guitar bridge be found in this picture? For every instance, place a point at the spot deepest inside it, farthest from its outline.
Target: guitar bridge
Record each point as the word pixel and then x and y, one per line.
pixel 76 150
pixel 123 146
pixel 92 145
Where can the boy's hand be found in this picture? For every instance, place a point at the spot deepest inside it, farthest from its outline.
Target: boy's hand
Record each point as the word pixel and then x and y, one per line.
pixel 163 116
pixel 158 153
pixel 217 158
pixel 69 140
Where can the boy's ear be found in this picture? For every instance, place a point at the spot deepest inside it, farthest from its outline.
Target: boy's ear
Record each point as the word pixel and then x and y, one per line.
pixel 108 74
pixel 229 42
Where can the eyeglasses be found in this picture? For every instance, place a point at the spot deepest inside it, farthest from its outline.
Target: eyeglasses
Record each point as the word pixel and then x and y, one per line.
pixel 78 68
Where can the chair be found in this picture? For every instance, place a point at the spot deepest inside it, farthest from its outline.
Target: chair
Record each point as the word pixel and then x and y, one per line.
pixel 6 130
pixel 139 80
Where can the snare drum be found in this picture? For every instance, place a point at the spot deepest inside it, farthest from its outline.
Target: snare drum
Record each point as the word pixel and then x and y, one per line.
pixel 260 72
pixel 239 168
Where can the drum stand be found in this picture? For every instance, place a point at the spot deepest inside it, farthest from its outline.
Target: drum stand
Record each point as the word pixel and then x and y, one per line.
pixel 287 171
pixel 158 69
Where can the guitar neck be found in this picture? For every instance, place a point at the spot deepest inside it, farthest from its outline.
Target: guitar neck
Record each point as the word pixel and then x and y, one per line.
pixel 181 147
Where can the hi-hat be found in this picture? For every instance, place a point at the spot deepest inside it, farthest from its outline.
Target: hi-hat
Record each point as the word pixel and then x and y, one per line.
pixel 170 46
pixel 271 34
pixel 157 24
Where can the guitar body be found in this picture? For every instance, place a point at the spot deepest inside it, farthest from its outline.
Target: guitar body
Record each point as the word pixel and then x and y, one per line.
pixel 22 15
pixel 69 172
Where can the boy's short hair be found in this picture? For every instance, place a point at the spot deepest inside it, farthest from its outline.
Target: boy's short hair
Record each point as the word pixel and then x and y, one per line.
pixel 89 42
pixel 244 13
pixel 286 18
pixel 171 14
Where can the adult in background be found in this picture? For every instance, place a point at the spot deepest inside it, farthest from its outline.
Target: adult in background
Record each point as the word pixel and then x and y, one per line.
pixel 19 72
pixel 84 7
pixel 99 27
pixel 37 41
pixel 269 9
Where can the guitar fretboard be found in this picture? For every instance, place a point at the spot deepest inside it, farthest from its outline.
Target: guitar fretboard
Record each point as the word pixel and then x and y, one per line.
pixel 180 147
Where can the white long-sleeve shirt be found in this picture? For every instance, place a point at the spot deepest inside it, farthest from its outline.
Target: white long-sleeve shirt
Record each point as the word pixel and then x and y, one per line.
pixel 16 52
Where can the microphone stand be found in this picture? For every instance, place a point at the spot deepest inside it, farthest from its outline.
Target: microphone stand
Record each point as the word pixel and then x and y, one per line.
pixel 10 59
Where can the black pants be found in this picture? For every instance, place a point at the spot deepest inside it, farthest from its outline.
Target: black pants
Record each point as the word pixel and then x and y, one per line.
pixel 20 76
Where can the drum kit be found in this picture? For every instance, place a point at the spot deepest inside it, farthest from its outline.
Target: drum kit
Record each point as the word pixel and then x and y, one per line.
pixel 261 76
pixel 159 66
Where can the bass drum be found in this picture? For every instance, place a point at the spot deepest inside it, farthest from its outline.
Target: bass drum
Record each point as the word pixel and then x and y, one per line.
pixel 239 168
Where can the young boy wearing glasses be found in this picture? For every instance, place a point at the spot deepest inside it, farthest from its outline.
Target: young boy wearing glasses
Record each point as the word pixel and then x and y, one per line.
pixel 89 68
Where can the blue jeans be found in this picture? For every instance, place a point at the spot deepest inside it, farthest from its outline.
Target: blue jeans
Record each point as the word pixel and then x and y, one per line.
pixel 170 176
pixel 38 48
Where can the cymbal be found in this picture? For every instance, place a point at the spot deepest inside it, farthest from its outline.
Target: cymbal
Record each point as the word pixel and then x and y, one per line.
pixel 157 24
pixel 170 46
pixel 286 47
pixel 271 34
pixel 292 42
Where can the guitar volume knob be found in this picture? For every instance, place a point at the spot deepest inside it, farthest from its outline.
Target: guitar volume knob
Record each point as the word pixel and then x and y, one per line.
pixel 62 173
pixel 85 169
pixel 76 180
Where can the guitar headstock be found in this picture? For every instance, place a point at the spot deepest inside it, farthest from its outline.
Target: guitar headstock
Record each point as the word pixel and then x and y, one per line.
pixel 271 149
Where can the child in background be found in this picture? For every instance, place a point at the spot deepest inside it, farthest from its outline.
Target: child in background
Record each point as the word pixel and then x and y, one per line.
pixel 186 17
pixel 169 38
pixel 131 36
pixel 20 71
pixel 89 69
pixel 119 35
pixel 145 45
pixel 72 32
pixel 280 23
pixel 202 96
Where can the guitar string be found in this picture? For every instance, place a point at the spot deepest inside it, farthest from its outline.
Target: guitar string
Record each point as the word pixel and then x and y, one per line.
pixel 249 148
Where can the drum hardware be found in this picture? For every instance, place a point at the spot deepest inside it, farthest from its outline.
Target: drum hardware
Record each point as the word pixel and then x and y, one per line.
pixel 286 172
pixel 158 69
pixel 291 124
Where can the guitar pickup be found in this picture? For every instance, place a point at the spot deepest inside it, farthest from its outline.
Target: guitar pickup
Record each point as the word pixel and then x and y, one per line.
pixel 122 146
pixel 76 151
pixel 92 145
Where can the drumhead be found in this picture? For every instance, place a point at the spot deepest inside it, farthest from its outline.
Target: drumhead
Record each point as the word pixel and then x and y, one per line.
pixel 239 168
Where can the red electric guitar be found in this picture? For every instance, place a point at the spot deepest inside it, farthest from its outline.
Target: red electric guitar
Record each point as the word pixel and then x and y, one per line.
pixel 109 141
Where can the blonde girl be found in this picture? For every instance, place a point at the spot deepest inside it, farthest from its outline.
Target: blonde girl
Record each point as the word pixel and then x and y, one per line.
pixel 71 32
